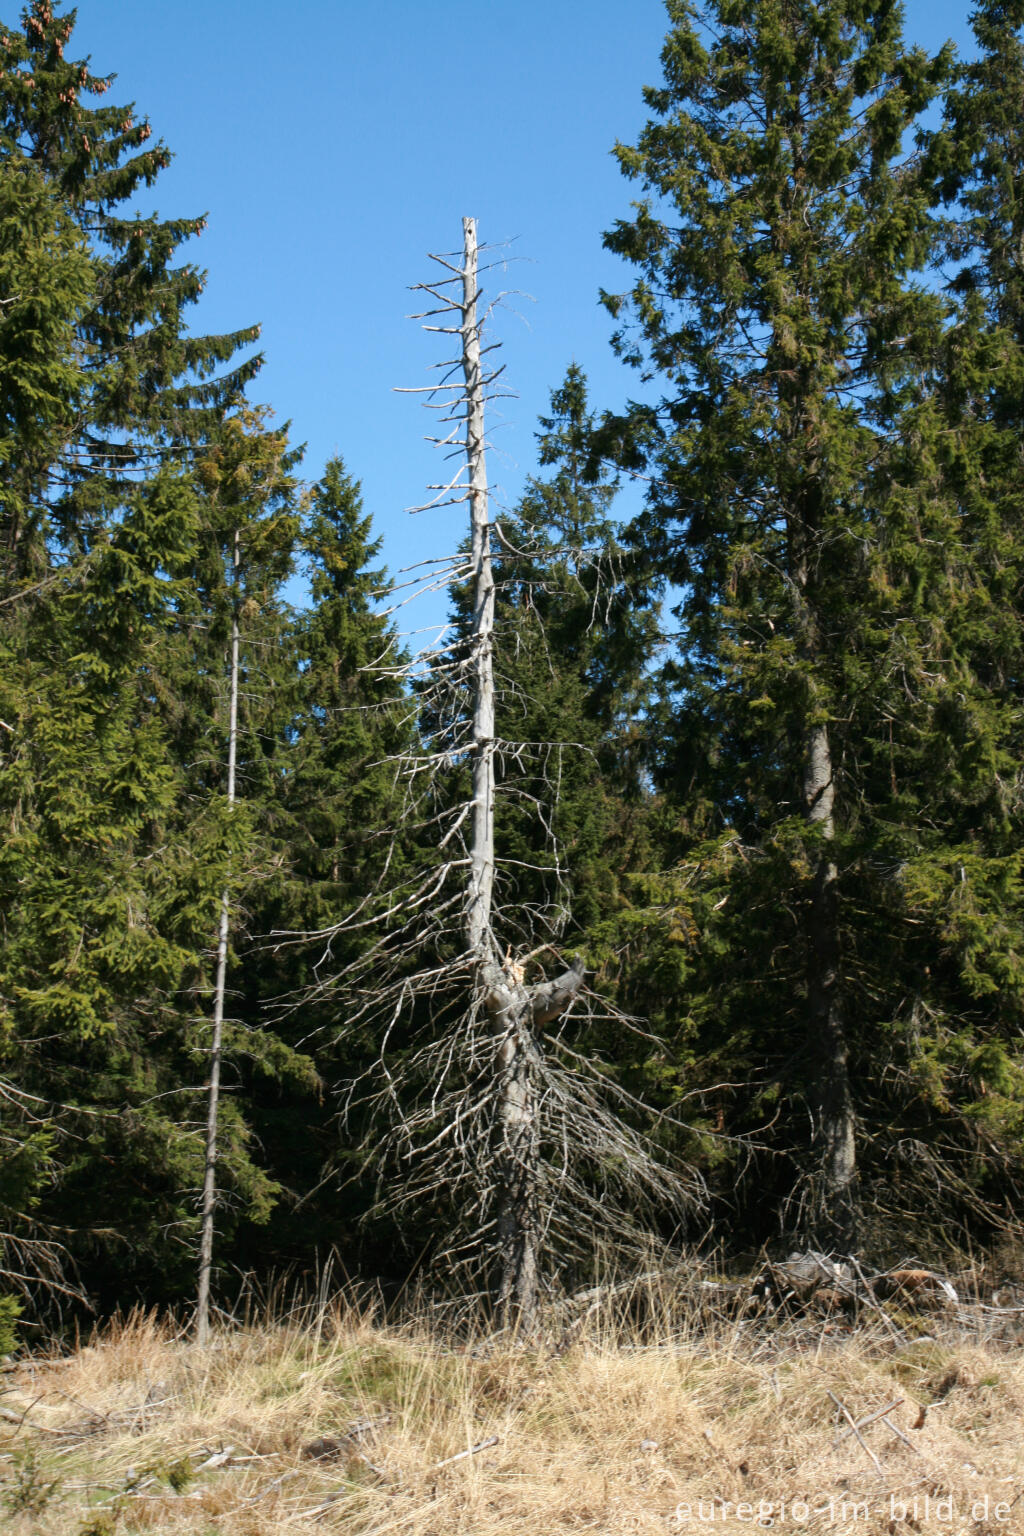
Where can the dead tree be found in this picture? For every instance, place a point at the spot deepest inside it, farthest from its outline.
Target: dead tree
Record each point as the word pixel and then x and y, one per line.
pixel 516 1011
pixel 490 1103
pixel 209 1195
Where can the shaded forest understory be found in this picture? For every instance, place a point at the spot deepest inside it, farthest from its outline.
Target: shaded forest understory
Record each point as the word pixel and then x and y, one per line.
pixel 674 899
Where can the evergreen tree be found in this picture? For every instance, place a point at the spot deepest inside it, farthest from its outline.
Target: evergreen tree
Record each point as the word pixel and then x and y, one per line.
pixel 352 716
pixel 956 1035
pixel 331 828
pixel 46 280
pixel 143 385
pixel 574 639
pixel 99 925
pixel 103 399
pixel 777 243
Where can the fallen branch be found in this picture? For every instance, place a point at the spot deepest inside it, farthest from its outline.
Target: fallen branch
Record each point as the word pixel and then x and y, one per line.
pixel 906 1441
pixel 860 1438
pixel 21 1419
pixel 218 1459
pixel 863 1423
pixel 265 1492
pixel 482 1446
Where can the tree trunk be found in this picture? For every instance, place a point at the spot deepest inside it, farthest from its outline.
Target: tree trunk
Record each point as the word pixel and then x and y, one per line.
pixel 479 936
pixel 830 1216
pixel 834 1209
pixel 518 1158
pixel 516 1149
pixel 519 1013
pixel 209 1199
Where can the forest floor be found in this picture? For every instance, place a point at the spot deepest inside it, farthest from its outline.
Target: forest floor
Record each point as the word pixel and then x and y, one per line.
pixel 343 1424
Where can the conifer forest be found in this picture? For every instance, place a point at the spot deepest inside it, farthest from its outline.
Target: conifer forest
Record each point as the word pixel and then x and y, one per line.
pixel 673 900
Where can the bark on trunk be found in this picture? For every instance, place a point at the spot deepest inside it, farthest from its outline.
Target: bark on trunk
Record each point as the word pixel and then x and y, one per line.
pixel 831 1218
pixel 479 936
pixel 209 1198
pixel 834 1210
pixel 520 1013
pixel 518 1161
pixel 515 1011
pixel 516 1142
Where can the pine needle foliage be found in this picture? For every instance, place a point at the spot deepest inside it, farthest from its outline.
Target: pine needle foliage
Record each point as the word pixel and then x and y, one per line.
pixel 779 308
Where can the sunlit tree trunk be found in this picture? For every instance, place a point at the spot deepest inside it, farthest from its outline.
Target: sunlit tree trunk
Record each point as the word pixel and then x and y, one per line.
pixel 209 1199
pixel 508 1002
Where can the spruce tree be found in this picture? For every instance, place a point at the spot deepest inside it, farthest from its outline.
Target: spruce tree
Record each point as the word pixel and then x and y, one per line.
pixel 330 829
pixel 956 1030
pixel 234 633
pixel 46 280
pixel 104 399
pixel 352 717
pixel 145 386
pixel 99 928
pixel 575 638
pixel 777 242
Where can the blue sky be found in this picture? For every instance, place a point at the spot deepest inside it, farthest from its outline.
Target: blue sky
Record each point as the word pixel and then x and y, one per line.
pixel 334 144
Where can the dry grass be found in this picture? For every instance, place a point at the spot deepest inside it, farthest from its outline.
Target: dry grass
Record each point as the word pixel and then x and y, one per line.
pixel 608 1435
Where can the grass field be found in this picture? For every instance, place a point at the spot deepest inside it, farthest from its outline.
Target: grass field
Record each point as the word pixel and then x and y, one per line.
pixel 336 1422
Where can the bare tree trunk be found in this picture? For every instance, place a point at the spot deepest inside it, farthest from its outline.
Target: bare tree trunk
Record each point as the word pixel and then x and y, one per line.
pixel 516 1150
pixel 210 1172
pixel 517 1147
pixel 479 937
pixel 500 1032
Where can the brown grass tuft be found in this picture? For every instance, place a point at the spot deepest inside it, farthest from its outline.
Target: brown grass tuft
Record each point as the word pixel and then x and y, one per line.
pixel 352 1426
